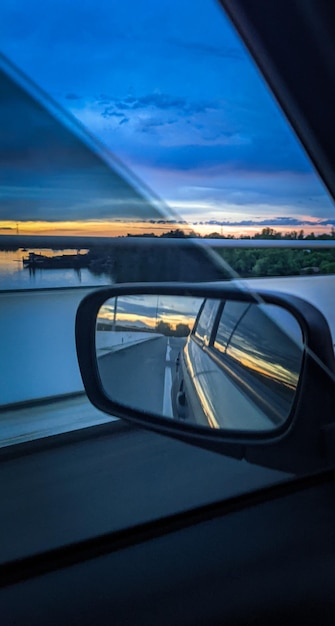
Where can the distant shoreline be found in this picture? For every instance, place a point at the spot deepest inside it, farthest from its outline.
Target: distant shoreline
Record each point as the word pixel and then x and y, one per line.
pixel 138 259
pixel 80 242
pixel 57 242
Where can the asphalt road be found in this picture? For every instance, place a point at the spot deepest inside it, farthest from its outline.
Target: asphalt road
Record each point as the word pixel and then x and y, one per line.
pixel 136 376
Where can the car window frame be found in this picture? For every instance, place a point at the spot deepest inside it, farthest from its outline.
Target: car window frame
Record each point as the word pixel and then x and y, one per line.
pixel 206 341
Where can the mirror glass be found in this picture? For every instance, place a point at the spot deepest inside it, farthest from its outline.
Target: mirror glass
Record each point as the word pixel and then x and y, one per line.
pixel 218 364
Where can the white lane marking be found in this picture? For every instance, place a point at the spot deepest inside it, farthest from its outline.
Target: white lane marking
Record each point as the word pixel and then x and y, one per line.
pixel 167 404
pixel 168 350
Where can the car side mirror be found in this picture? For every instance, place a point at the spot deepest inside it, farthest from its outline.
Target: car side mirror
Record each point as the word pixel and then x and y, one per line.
pixel 238 372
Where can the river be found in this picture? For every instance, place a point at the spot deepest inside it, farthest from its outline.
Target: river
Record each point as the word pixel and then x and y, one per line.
pixel 14 276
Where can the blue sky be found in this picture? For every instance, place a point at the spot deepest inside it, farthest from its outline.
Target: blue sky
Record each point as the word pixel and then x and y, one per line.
pixel 169 88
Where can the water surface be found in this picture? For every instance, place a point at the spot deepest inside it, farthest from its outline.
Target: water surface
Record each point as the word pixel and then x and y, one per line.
pixel 14 276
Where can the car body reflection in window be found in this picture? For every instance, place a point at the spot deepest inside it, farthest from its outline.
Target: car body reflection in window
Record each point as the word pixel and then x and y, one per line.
pixel 204 324
pixel 231 316
pixel 268 362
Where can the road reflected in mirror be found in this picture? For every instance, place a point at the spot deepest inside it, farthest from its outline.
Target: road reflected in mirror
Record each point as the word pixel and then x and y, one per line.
pixel 218 364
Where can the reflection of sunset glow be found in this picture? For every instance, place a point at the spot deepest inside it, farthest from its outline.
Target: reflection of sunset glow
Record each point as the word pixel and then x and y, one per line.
pixel 94 228
pixel 119 228
pixel 131 319
pixel 275 371
pixel 147 312
pixel 126 318
pixel 208 405
pixel 207 400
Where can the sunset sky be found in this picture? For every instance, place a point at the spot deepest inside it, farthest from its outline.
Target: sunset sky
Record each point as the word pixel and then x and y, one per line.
pixel 191 132
pixel 147 311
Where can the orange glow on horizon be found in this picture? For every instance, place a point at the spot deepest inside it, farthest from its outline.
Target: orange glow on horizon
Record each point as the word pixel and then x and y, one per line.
pixel 94 228
pixel 150 321
pixel 99 228
pixel 273 371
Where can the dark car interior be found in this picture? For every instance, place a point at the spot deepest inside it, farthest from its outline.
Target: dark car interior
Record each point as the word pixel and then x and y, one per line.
pixel 267 557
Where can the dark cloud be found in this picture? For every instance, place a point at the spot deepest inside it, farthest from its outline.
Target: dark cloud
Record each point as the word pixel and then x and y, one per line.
pixel 270 221
pixel 172 221
pixel 159 101
pixel 327 222
pixel 208 134
pixel 278 221
pixel 254 157
pixel 202 48
pixel 72 96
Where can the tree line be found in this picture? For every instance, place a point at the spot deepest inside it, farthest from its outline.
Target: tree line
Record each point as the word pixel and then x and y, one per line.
pixel 281 261
pixel 278 261
pixel 259 262
pixel 266 233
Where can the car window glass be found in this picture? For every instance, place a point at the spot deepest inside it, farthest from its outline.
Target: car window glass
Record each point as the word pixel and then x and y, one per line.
pixel 230 317
pixel 266 347
pixel 125 127
pixel 204 324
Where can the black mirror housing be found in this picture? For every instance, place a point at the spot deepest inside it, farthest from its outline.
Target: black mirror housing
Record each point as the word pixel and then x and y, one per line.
pixel 297 445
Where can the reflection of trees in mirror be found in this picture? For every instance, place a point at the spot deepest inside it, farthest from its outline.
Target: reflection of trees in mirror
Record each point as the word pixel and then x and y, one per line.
pixel 180 330
pixel 146 313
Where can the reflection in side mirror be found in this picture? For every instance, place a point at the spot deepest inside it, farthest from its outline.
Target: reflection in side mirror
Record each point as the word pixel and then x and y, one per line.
pixel 220 364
